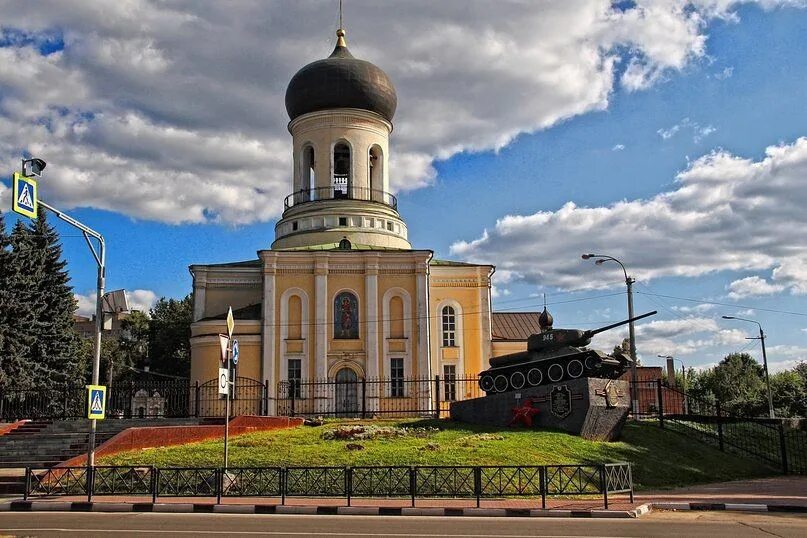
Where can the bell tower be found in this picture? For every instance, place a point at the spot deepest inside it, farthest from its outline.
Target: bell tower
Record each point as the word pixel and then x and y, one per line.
pixel 341 111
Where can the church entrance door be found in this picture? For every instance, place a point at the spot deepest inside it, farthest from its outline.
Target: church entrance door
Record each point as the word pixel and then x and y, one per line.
pixel 347 400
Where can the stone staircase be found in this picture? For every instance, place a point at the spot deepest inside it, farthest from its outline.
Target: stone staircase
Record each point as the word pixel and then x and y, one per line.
pixel 43 443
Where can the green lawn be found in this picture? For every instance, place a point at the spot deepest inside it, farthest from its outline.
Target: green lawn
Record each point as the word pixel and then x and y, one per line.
pixel 660 458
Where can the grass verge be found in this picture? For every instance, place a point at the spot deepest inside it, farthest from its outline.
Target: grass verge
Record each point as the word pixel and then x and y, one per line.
pixel 661 459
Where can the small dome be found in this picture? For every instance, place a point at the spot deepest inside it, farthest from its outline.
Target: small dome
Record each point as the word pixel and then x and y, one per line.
pixel 341 81
pixel 545 319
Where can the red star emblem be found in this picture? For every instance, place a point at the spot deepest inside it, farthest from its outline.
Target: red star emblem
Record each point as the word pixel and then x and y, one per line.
pixel 523 415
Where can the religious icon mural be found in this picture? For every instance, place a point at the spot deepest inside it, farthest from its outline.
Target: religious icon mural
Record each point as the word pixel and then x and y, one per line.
pixel 346 316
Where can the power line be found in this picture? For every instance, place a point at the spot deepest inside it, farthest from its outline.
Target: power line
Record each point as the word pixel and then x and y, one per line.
pixel 775 311
pixel 439 315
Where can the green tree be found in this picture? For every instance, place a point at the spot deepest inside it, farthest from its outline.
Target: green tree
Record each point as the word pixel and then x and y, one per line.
pixel 9 307
pixel 169 336
pixel 789 394
pixel 56 346
pixel 736 382
pixel 24 312
pixel 135 337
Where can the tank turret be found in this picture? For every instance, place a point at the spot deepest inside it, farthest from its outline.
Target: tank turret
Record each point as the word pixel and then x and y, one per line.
pixel 552 356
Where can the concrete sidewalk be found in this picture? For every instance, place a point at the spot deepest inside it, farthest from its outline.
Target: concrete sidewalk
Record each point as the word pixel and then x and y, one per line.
pixel 774 491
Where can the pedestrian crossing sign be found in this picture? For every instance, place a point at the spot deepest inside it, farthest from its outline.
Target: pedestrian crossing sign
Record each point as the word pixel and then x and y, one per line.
pixel 96 402
pixel 23 196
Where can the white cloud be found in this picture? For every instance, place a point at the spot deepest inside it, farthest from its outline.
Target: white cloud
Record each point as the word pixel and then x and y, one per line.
pixel 697 309
pixel 752 286
pixel 726 213
pixel 141 300
pixel 785 357
pixel 618 147
pixel 173 111
pixel 85 304
pixel 698 131
pixel 727 72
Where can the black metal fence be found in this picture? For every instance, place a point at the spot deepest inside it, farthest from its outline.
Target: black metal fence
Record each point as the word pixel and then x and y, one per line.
pixel 136 399
pixel 764 439
pixel 469 482
pixel 141 399
pixel 365 398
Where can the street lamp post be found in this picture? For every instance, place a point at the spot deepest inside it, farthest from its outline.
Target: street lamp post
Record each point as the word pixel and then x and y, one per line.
pixel 34 167
pixel 601 258
pixel 761 338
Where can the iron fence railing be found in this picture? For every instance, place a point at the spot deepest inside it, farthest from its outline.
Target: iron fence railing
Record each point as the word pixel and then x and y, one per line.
pixel 365 398
pixel 761 438
pixel 128 399
pixel 466 482
pixel 340 192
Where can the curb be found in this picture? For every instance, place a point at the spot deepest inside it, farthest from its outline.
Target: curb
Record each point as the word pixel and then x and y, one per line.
pixel 732 507
pixel 187 508
pixel 206 508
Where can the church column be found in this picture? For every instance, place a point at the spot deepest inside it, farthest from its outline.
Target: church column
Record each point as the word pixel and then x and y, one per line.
pixel 321 317
pixel 268 332
pixel 422 325
pixel 199 289
pixel 484 324
pixel 373 324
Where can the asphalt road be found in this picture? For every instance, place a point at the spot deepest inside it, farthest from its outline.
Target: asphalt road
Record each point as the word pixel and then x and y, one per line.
pixel 706 524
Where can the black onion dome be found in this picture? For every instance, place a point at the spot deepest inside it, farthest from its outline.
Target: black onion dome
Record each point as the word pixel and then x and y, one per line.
pixel 545 319
pixel 341 81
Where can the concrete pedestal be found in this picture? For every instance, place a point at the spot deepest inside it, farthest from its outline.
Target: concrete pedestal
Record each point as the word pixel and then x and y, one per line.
pixel 593 408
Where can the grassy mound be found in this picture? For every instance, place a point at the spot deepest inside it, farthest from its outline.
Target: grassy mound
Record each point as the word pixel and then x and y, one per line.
pixel 660 458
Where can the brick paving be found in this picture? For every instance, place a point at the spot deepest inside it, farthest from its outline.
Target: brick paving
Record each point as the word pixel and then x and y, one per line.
pixel 779 490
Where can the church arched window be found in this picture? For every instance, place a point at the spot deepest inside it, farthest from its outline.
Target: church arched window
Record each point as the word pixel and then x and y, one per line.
pixel 308 179
pixel 396 317
pixel 341 170
pixel 449 324
pixel 295 329
pixel 345 316
pixel 376 166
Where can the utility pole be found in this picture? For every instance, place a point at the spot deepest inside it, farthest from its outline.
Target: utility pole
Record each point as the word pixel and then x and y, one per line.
pixel 100 259
pixel 602 258
pixel 761 338
pixel 27 205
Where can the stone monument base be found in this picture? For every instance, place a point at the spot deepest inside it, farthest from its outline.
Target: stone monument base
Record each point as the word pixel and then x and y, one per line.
pixel 593 408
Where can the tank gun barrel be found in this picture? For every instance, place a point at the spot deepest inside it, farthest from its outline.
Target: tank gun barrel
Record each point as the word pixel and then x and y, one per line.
pixel 592 332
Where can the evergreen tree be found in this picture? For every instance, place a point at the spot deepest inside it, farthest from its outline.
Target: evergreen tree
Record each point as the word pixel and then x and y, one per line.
pixel 8 307
pixel 22 310
pixel 134 341
pixel 169 336
pixel 56 347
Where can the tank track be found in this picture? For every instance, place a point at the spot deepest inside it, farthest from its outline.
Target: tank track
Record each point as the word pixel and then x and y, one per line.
pixel 543 371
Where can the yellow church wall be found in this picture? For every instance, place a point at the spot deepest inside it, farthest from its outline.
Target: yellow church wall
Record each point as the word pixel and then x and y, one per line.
pixel 219 299
pixel 469 288
pixel 505 347
pixel 355 284
pixel 399 346
pixel 206 351
pixel 304 281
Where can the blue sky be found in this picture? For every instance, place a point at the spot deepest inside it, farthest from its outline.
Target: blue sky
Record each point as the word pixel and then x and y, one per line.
pixel 733 88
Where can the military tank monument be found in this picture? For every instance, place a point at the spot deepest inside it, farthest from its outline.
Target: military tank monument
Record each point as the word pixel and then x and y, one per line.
pixel 558 382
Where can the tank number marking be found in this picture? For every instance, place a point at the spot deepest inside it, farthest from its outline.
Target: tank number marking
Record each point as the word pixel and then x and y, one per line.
pixel 548 337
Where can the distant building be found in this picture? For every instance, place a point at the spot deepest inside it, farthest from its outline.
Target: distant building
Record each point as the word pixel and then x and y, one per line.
pixel 85 326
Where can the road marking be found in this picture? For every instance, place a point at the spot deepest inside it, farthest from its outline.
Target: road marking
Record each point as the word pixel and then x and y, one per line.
pixel 287 533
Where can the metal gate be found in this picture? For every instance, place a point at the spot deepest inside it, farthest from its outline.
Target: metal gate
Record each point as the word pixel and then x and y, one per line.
pixel 347 393
pixel 248 398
